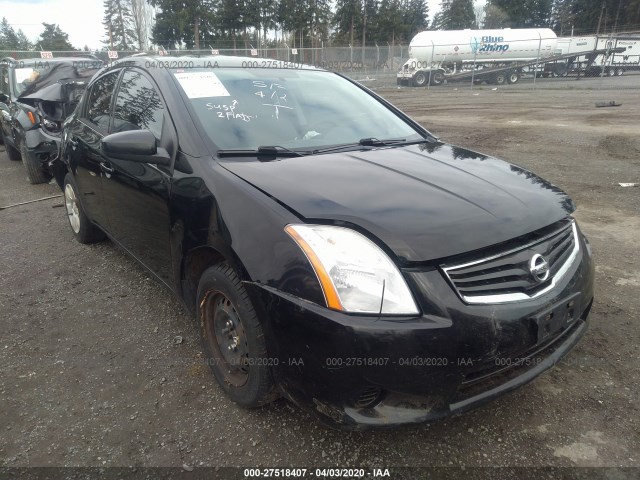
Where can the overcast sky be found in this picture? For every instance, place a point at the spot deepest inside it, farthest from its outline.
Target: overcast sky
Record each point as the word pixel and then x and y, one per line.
pixel 81 19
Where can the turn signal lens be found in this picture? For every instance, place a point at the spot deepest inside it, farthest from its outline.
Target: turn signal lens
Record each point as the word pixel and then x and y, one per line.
pixel 32 117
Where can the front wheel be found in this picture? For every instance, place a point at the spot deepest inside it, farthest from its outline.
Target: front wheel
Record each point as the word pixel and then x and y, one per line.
pixel 233 338
pixel 12 152
pixel 83 229
pixel 35 169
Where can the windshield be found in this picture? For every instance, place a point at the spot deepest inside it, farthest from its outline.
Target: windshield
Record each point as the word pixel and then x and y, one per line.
pixel 26 76
pixel 245 109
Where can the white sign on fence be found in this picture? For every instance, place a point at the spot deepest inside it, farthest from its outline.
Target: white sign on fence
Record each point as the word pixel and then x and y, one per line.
pixel 113 55
pixel 294 51
pixel 215 51
pixel 46 54
pixel 254 52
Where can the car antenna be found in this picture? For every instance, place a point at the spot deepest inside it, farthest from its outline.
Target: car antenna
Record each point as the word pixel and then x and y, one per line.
pixel 382 299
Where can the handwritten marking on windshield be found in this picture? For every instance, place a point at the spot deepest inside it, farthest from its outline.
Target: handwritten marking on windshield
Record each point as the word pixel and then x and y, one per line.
pixel 274 93
pixel 228 112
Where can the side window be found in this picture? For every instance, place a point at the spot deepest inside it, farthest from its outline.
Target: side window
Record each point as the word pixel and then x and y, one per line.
pixel 99 101
pixel 4 80
pixel 138 105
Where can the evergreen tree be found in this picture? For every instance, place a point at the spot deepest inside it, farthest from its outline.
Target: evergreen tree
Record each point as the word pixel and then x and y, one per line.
pixel 416 14
pixel 119 25
pixel 54 39
pixel 524 13
pixel 456 15
pixel 188 23
pixel 12 40
pixel 348 20
pixel 392 26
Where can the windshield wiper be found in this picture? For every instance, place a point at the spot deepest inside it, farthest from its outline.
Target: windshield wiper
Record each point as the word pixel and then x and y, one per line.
pixel 264 153
pixel 370 142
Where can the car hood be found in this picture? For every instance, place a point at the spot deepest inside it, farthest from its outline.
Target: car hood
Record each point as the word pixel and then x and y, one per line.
pixel 424 202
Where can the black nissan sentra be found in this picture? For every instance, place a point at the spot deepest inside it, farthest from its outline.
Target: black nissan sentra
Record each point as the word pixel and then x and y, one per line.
pixel 332 250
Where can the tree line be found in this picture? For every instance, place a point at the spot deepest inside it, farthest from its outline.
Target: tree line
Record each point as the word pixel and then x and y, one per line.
pixel 51 38
pixel 563 16
pixel 137 24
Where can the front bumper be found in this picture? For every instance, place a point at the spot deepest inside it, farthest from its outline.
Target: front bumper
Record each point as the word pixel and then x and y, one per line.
pixel 42 147
pixel 357 371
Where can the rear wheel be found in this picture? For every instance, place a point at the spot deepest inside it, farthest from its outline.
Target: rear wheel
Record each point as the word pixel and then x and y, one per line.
pixel 233 338
pixel 35 169
pixel 500 78
pixel 513 77
pixel 420 79
pixel 437 77
pixel 83 229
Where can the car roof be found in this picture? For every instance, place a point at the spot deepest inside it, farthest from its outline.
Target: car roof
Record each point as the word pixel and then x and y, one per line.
pixel 26 62
pixel 209 61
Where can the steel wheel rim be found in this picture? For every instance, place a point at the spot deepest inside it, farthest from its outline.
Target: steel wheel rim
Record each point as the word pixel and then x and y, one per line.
pixel 71 203
pixel 227 339
pixel 420 79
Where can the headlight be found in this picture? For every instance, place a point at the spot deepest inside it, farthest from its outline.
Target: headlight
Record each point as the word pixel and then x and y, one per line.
pixel 355 274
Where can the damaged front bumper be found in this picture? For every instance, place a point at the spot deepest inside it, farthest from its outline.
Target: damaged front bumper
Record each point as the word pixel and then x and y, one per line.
pixel 358 371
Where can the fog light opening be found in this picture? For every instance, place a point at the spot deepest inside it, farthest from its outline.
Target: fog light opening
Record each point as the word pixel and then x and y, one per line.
pixel 368 397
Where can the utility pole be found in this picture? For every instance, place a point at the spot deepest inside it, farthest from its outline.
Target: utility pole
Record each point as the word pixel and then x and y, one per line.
pixel 364 31
pixel 600 19
pixel 196 33
pixel 615 25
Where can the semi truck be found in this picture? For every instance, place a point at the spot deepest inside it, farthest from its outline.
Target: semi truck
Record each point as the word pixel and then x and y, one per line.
pixel 502 56
pixel 445 54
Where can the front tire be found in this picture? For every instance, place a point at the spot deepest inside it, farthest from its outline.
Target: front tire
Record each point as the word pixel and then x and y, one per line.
pixel 233 338
pixel 82 228
pixel 12 152
pixel 35 170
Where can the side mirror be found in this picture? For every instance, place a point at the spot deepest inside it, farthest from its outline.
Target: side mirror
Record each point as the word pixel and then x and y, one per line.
pixel 4 98
pixel 135 146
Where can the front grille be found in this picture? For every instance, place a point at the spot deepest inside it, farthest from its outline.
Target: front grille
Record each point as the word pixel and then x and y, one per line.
pixel 508 276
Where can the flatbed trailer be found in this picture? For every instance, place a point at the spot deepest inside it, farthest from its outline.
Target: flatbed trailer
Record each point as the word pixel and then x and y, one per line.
pixel 510 72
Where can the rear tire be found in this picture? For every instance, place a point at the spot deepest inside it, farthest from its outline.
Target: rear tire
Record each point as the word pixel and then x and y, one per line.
pixel 82 228
pixel 420 79
pixel 500 79
pixel 513 77
pixel 233 338
pixel 35 169
pixel 437 77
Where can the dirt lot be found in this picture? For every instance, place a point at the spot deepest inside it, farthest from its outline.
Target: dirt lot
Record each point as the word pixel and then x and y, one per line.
pixel 93 374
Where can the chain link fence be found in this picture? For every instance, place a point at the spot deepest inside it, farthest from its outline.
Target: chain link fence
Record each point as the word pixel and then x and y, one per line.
pixel 385 66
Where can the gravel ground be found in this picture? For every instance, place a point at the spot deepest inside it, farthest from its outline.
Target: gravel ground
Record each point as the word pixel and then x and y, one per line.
pixel 100 366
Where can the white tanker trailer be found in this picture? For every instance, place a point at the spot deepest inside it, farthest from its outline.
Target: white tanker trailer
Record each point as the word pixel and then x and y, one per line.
pixel 438 54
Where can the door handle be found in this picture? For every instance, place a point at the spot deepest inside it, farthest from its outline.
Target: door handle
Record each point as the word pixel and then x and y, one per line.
pixel 106 168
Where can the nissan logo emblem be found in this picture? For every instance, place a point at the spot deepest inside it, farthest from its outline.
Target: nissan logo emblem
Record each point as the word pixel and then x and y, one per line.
pixel 539 267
